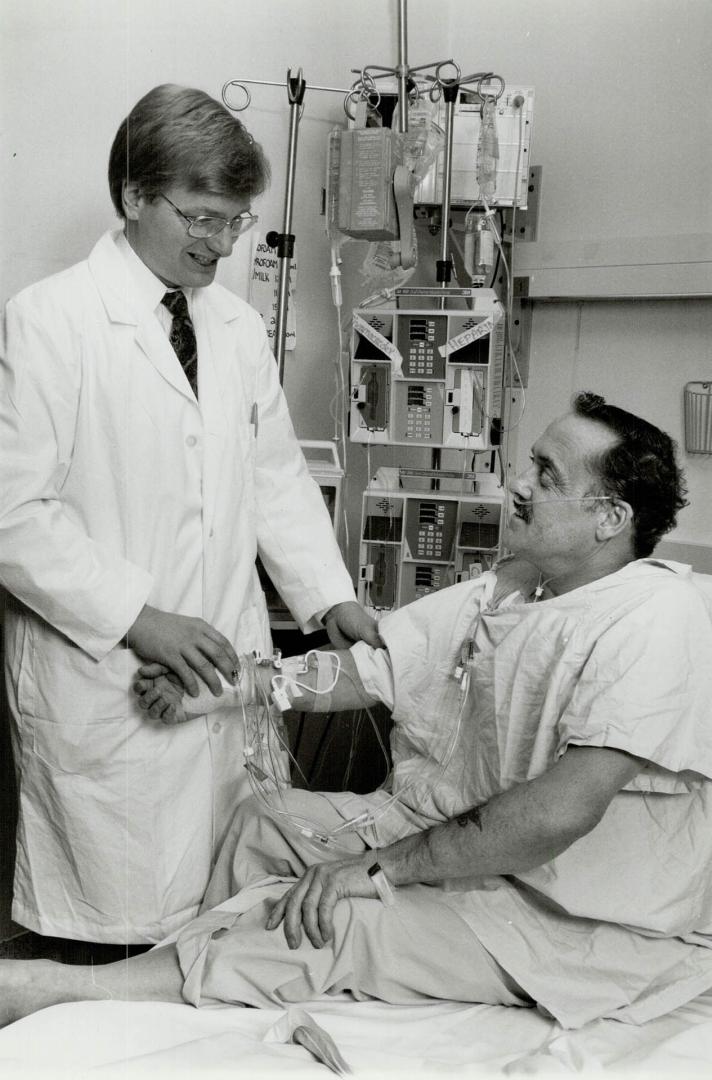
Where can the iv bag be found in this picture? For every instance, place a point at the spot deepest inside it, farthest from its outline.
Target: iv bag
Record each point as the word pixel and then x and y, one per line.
pixel 488 150
pixel 381 269
pixel 423 141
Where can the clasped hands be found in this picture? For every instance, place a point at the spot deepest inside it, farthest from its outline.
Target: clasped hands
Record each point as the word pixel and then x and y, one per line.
pixel 180 651
pixel 186 646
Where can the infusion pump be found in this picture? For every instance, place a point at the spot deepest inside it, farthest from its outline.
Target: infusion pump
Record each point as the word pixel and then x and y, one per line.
pixel 424 376
pixel 415 543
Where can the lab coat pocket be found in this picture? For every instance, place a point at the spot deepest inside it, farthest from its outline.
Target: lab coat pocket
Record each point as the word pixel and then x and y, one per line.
pixel 87 795
pixel 96 752
pixel 69 686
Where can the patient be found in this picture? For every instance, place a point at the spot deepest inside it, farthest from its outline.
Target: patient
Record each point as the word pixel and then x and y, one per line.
pixel 545 837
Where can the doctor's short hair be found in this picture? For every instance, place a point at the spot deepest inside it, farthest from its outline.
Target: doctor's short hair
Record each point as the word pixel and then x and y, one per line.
pixel 176 135
pixel 640 469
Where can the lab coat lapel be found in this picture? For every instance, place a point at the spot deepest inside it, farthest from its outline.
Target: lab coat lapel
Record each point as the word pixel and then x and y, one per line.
pixel 153 340
pixel 124 304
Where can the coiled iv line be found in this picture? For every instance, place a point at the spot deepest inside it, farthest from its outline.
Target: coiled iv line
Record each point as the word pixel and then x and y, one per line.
pixel 267 754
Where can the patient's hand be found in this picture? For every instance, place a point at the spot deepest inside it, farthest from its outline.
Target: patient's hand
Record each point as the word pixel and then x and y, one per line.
pixel 309 905
pixel 161 696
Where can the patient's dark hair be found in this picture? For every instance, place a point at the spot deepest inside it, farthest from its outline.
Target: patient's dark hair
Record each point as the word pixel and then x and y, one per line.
pixel 640 469
pixel 176 135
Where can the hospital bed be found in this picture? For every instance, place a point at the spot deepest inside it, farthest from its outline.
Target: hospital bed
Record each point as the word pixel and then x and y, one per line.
pixel 379 1042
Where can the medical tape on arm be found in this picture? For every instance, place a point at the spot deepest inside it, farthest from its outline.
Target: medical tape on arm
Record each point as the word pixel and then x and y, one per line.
pixel 286 686
pixel 206 702
pixel 328 668
pixel 231 693
pixel 243 687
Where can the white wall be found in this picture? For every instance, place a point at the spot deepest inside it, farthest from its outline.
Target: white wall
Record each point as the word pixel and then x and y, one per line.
pixel 622 123
pixel 622 130
pixel 638 355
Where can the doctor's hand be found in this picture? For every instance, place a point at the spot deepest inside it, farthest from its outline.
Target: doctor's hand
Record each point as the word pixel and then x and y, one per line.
pixel 310 903
pixel 187 646
pixel 347 623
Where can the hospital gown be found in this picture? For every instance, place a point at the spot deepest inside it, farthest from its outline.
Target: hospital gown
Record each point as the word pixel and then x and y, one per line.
pixel 620 924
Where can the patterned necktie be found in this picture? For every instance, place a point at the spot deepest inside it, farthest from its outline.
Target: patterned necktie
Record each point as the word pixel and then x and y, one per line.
pixel 182 336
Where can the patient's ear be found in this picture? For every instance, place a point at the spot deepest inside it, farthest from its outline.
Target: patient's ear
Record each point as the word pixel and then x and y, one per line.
pixel 614 520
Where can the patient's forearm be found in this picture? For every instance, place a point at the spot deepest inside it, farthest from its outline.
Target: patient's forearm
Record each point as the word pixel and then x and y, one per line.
pixel 505 836
pixel 519 829
pixel 348 693
pixel 256 685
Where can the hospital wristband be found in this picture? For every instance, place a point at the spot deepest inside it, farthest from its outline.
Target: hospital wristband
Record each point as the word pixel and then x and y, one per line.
pixel 382 884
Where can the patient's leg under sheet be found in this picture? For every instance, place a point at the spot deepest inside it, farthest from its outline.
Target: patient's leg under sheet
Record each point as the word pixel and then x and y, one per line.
pixel 416 950
pixel 258 844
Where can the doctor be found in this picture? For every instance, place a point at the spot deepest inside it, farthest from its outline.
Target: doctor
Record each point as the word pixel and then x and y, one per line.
pixel 147 457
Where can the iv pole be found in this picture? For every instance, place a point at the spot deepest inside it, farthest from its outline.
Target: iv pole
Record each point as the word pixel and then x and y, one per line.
pixel 444 264
pixel 402 69
pixel 284 241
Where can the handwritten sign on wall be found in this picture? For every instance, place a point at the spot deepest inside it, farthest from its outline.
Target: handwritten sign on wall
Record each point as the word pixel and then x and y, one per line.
pixel 264 290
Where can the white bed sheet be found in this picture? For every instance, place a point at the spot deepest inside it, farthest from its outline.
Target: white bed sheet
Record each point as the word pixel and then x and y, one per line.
pixel 380 1042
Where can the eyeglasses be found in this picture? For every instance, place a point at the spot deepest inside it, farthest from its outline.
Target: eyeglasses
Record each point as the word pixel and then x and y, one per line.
pixel 205 226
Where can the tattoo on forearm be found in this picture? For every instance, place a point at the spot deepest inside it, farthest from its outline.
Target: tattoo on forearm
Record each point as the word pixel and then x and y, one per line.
pixel 472 815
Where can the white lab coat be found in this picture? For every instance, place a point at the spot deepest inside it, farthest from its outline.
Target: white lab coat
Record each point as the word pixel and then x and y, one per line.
pixel 119 490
